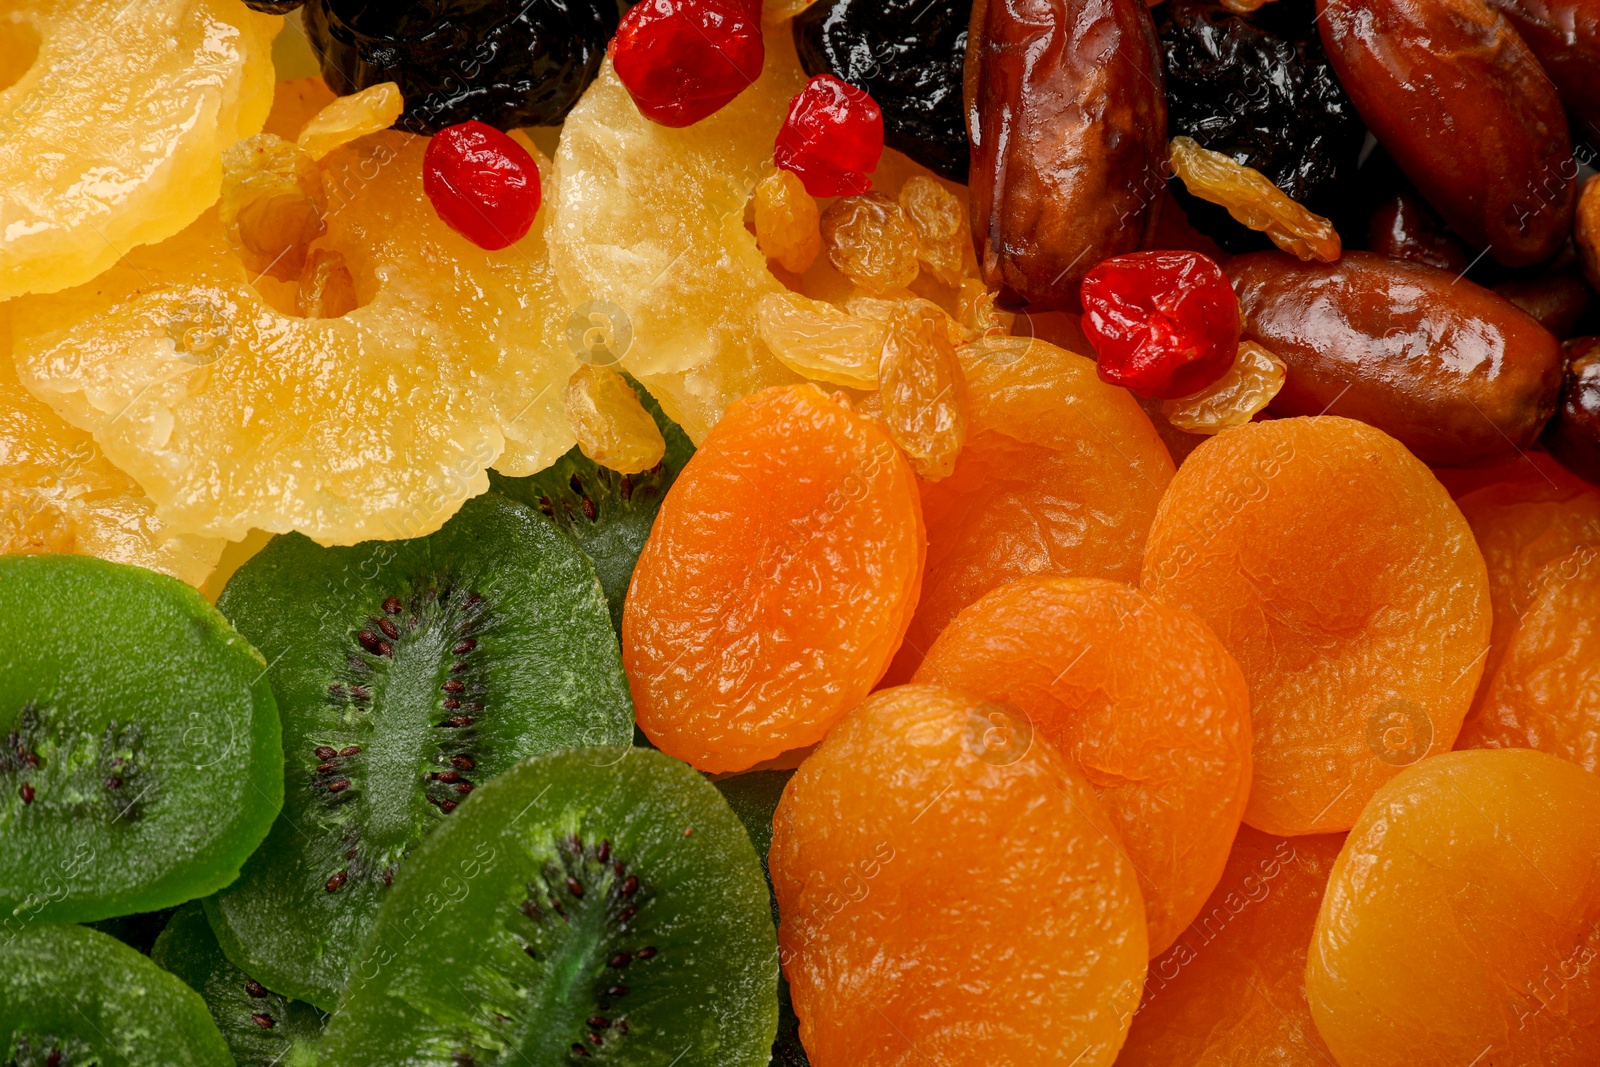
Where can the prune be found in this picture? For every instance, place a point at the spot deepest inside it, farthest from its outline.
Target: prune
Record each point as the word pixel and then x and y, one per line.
pixel 505 63
pixel 908 54
pixel 1573 435
pixel 1261 90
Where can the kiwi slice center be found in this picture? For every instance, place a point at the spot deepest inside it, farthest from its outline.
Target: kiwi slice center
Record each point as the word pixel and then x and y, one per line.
pixel 62 771
pixel 48 1050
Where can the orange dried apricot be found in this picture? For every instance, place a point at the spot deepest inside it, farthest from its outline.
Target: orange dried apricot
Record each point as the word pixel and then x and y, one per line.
pixel 950 893
pixel 1342 577
pixel 776 582
pixel 1461 923
pixel 1232 991
pixel 1060 474
pixel 1142 699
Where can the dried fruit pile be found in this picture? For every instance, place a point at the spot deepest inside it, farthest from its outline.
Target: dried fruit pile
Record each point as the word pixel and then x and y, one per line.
pixel 744 532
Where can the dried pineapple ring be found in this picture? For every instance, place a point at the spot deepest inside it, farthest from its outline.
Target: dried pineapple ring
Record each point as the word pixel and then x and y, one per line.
pixel 652 219
pixel 378 424
pixel 113 136
pixel 58 493
pixel 1254 201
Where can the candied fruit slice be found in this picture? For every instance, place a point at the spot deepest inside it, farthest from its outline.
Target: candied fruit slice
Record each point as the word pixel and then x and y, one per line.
pixel 376 424
pixel 870 240
pixel 375 108
pixel 1233 399
pixel 1232 990
pixel 820 341
pixel 1060 474
pixel 611 426
pixel 1344 580
pixel 921 389
pixel 272 205
pixel 1462 918
pixel 786 221
pixel 1142 699
pixel 1254 201
pixel 778 577
pixel 115 132
pixel 652 219
pixel 932 866
pixel 944 237
pixel 59 493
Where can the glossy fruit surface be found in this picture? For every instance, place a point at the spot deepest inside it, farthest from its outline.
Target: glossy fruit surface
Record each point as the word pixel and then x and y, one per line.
pixel 1251 199
pixel 909 55
pixel 506 65
pixel 1565 36
pixel 1060 474
pixel 97 101
pixel 779 576
pixel 1573 434
pixel 1232 991
pixel 1460 375
pixel 484 185
pixel 1403 972
pixel 894 888
pixel 1163 324
pixel 682 60
pixel 1142 699
pixel 1338 572
pixel 832 137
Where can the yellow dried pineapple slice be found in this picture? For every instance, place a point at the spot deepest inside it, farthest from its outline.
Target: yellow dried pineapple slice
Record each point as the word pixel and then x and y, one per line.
pixel 377 424
pixel 59 493
pixel 652 220
pixel 113 136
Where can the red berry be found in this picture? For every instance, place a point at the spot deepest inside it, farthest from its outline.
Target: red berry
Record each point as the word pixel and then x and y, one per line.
pixel 832 138
pixel 484 185
pixel 682 60
pixel 1163 324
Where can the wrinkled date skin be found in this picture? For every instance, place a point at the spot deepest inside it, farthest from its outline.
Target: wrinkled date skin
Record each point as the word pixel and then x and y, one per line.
pixel 1068 123
pixel 1464 107
pixel 1460 375
pixel 1405 227
pixel 1573 436
pixel 1565 35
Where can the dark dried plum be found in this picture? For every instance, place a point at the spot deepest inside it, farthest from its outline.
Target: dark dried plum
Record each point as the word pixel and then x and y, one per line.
pixel 908 54
pixel 503 62
pixel 1261 90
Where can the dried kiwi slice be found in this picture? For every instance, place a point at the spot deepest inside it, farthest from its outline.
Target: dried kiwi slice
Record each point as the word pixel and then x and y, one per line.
pixel 599 904
pixel 608 514
pixel 140 761
pixel 73 997
pixel 754 796
pixel 261 1028
pixel 408 673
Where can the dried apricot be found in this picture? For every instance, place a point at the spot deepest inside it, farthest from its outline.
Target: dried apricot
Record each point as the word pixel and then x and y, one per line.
pixel 1344 580
pixel 776 582
pixel 1232 991
pixel 950 893
pixel 1462 918
pixel 1141 699
pixel 921 389
pixel 1060 474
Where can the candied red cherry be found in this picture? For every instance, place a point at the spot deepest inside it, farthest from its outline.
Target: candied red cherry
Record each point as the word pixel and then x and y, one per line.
pixel 1163 324
pixel 483 184
pixel 832 138
pixel 682 60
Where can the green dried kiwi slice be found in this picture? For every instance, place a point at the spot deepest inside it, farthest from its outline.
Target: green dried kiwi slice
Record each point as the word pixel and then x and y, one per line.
pixel 262 1028
pixel 140 762
pixel 408 673
pixel 754 796
pixel 74 997
pixel 590 905
pixel 608 514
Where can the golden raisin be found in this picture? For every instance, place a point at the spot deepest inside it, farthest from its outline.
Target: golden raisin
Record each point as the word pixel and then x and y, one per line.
pixel 920 383
pixel 871 242
pixel 820 341
pixel 786 221
pixel 327 289
pixel 1248 387
pixel 272 204
pixel 349 117
pixel 978 313
pixel 611 426
pixel 1251 198
pixel 945 243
